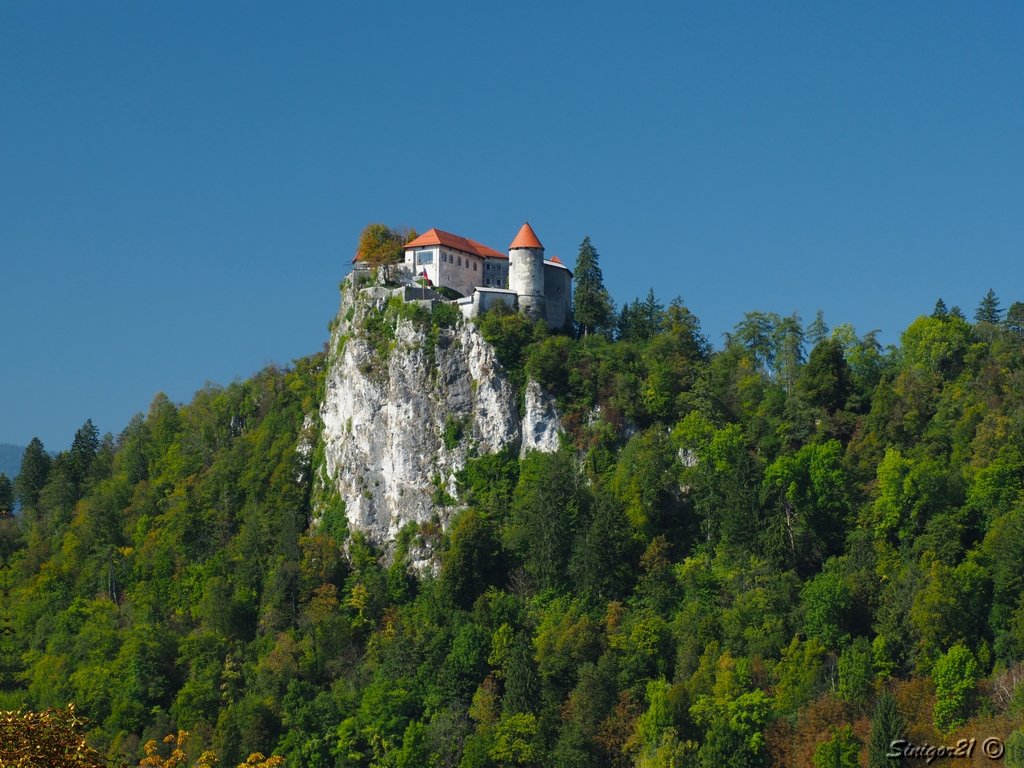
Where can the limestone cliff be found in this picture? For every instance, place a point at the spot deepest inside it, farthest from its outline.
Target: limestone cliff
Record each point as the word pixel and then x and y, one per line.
pixel 407 402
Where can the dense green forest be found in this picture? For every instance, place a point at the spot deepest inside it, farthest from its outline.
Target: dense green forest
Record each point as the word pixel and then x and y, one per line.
pixel 786 552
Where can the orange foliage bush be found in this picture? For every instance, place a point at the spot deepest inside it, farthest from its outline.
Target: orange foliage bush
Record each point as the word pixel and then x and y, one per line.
pixel 54 738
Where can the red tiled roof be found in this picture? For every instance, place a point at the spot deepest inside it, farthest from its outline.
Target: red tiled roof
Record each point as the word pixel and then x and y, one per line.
pixel 488 252
pixel 440 237
pixel 556 260
pixel 526 239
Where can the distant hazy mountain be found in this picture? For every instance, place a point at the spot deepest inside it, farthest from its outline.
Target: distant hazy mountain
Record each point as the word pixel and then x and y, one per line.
pixel 10 459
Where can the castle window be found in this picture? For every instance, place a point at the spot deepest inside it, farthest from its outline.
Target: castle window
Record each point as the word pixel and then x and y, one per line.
pixel 474 266
pixel 460 261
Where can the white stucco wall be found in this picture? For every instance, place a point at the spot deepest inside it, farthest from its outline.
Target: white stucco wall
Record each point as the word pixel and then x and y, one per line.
pixel 460 271
pixel 413 260
pixel 484 299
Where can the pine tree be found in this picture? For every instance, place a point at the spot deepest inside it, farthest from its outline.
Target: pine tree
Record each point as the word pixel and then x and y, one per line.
pixel 826 380
pixel 757 333
pixel 1014 320
pixel 83 449
pixel 988 309
pixel 521 681
pixel 592 306
pixel 6 493
pixel 629 322
pixel 652 313
pixel 602 563
pixel 940 312
pixel 818 330
pixel 887 725
pixel 789 345
pixel 35 467
pixel 1015 750
pixel 624 323
pixel 840 751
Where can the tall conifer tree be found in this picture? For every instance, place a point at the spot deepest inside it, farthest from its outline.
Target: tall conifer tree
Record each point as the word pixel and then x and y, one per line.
pixel 83 449
pixel 988 309
pixel 1014 321
pixel 887 725
pixel 652 313
pixel 6 493
pixel 818 330
pixel 592 306
pixel 35 467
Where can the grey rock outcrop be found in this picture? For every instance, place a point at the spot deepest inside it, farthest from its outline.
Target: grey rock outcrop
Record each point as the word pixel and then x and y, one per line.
pixel 542 421
pixel 400 419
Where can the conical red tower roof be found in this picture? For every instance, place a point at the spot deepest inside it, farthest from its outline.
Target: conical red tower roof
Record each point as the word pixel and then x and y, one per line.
pixel 526 239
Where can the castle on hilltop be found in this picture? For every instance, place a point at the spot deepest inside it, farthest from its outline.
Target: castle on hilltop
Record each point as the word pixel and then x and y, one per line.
pixel 541 287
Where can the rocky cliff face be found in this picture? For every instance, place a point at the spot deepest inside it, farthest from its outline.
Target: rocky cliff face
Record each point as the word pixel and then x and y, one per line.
pixel 404 408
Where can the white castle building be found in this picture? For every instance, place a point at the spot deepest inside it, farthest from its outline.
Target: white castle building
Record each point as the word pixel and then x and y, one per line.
pixel 484 276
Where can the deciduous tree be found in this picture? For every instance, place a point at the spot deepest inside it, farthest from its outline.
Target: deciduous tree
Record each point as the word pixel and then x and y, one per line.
pixel 955 674
pixel 380 246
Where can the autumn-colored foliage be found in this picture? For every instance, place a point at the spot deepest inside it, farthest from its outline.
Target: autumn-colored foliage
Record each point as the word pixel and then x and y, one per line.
pixel 51 739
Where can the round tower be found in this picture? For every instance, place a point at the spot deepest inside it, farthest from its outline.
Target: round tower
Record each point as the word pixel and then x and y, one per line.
pixel 526 272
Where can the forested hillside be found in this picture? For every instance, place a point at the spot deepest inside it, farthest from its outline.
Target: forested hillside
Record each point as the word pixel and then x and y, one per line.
pixel 786 552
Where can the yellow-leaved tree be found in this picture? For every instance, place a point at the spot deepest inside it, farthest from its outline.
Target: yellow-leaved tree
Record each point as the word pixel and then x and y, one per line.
pixel 207 759
pixel 381 246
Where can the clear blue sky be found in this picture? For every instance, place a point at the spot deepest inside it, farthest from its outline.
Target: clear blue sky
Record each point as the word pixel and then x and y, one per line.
pixel 182 184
